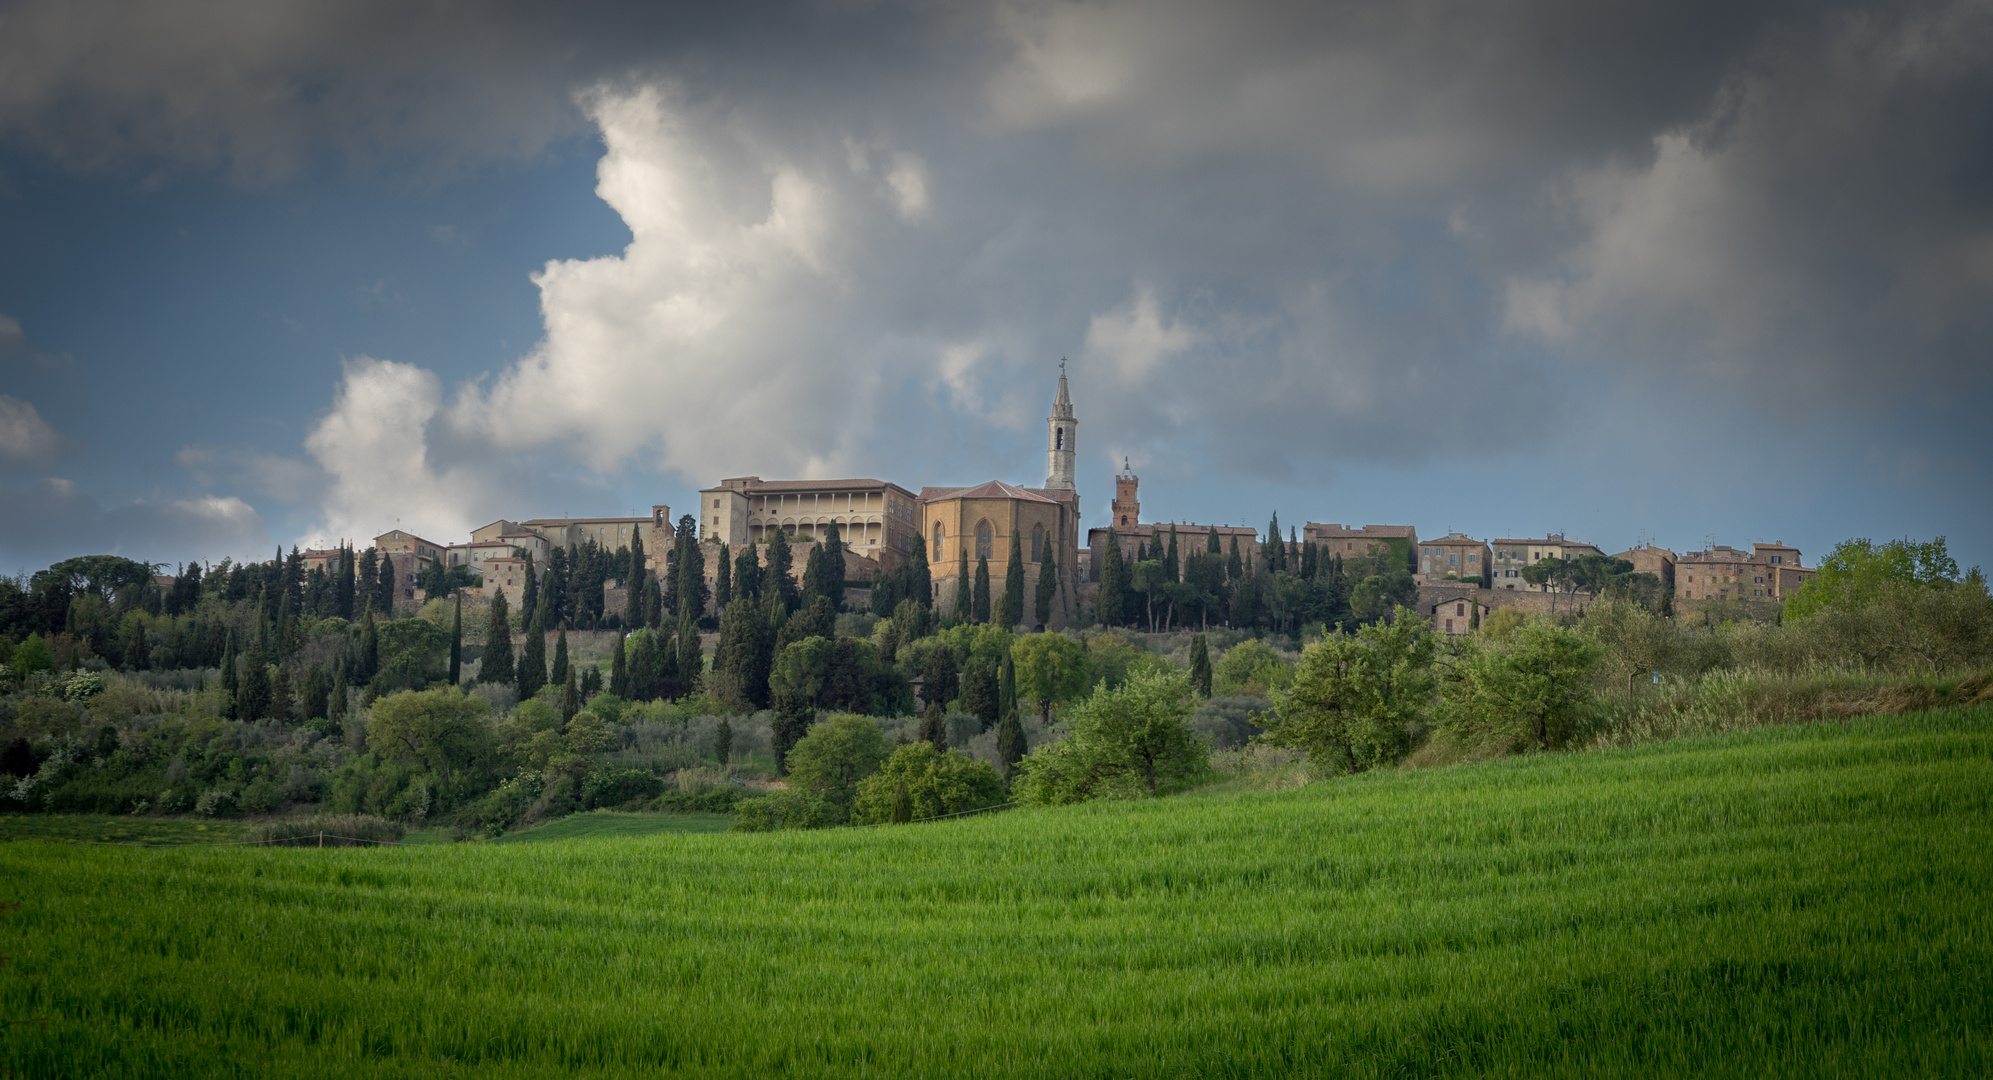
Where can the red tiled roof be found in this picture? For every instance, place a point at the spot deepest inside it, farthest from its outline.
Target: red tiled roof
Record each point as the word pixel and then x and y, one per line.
pixel 1371 531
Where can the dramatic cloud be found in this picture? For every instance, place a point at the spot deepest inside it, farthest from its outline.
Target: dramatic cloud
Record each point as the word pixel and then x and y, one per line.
pixel 24 435
pixel 375 444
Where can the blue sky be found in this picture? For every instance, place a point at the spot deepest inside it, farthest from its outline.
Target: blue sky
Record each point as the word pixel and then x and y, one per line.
pixel 1718 274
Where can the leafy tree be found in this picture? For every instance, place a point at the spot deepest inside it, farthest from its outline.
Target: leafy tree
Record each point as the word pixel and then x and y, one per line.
pixel 1357 698
pixel 1051 668
pixel 1377 596
pixel 1200 667
pixel 1535 689
pixel 1253 668
pixel 1125 742
pixel 814 619
pixel 1012 611
pixel 1858 572
pixel 496 666
pixel 442 730
pixel 919 782
pixel 833 757
pixel 34 655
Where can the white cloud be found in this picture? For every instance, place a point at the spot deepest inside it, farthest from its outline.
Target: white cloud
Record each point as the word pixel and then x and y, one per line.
pixel 55 520
pixel 11 337
pixel 908 179
pixel 23 433
pixel 1134 338
pixel 375 443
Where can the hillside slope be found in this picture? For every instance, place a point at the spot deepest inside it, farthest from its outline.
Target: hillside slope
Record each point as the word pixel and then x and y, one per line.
pixel 1798 901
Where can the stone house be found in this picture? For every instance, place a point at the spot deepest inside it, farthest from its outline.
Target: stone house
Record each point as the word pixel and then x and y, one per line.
pixel 1511 556
pixel 1454 556
pixel 875 518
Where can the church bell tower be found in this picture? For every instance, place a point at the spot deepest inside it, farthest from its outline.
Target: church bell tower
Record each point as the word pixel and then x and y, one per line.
pixel 1061 430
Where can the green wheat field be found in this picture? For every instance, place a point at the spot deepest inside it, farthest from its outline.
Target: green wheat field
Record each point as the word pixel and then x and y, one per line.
pixel 1801 901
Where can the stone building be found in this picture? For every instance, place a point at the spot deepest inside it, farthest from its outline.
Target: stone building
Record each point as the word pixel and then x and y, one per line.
pixel 1130 530
pixel 979 521
pixel 1454 556
pixel 408 554
pixel 1767 572
pixel 1457 616
pixel 875 518
pixel 505 574
pixel 1512 555
pixel 1346 541
pixel 1648 559
pixel 539 536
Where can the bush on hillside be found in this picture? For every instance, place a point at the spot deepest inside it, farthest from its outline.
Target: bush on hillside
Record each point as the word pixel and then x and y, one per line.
pixel 920 782
pixel 1126 742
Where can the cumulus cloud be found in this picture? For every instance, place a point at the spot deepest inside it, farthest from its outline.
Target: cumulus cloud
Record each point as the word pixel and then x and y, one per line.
pixel 375 446
pixel 54 520
pixel 24 435
pixel 1133 339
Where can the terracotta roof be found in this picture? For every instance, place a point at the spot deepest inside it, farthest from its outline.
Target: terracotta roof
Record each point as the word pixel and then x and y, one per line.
pixel 773 487
pixel 1547 541
pixel 991 489
pixel 1397 531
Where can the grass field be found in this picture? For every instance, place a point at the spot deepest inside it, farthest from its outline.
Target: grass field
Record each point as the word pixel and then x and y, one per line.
pixel 110 829
pixel 603 823
pixel 1789 902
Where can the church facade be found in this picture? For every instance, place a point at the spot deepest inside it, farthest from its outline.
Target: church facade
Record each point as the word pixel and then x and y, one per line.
pixel 963 526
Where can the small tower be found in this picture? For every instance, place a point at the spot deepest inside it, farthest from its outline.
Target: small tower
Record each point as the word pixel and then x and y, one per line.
pixel 1061 433
pixel 1127 508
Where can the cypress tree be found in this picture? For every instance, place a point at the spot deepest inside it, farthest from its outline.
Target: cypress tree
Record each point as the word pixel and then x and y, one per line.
pixel 255 692
pixel 1048 587
pixel 1308 565
pixel 934 727
pixel 653 604
pixel 457 643
pixel 963 606
pixel 1200 666
pixel 388 586
pixel 747 573
pixel 920 580
pixel 496 667
pixel 979 612
pixel 815 575
pixel 1112 598
pixel 342 588
pixel 370 647
pixel 335 708
pixel 570 698
pixel 1211 542
pixel 641 678
pixel 723 741
pixel 1245 602
pixel 619 668
pixel 280 694
pixel 775 579
pixel 634 580
pixel 533 657
pixel 744 652
pixel 691 661
pixel 723 586
pixel 1170 564
pixel 1006 686
pixel 981 696
pixel 833 567
pixel 529 599
pixel 1234 566
pixel 1010 742
pixel 559 672
pixel 1013 585
pixel 230 682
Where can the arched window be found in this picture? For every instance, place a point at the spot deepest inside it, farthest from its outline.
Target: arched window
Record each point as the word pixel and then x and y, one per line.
pixel 982 539
pixel 936 557
pixel 1059 439
pixel 1037 543
pixel 1124 519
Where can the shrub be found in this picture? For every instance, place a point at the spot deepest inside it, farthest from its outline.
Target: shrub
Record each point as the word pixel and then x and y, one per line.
pixel 612 787
pixel 1534 690
pixel 1126 742
pixel 336 830
pixel 831 760
pixel 1358 698
pixel 919 782
pixel 783 810
pixel 1251 668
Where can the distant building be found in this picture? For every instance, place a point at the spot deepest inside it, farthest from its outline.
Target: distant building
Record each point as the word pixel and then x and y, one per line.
pixel 1648 559
pixel 1766 572
pixel 1130 530
pixel 1511 556
pixel 1346 541
pixel 1454 556
pixel 978 522
pixel 874 518
pixel 1457 616
pixel 408 554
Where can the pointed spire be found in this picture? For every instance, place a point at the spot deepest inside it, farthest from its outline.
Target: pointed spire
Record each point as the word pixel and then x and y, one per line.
pixel 1062 406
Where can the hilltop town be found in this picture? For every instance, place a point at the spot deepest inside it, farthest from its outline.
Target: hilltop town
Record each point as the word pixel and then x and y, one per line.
pixel 966 544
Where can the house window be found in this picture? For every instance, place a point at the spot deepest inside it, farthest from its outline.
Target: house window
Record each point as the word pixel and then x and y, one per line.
pixel 936 557
pixel 1449 626
pixel 983 539
pixel 1460 609
pixel 1474 557
pixel 1452 558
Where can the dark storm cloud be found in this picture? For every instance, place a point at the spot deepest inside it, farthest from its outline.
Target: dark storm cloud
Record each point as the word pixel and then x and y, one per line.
pixel 1267 234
